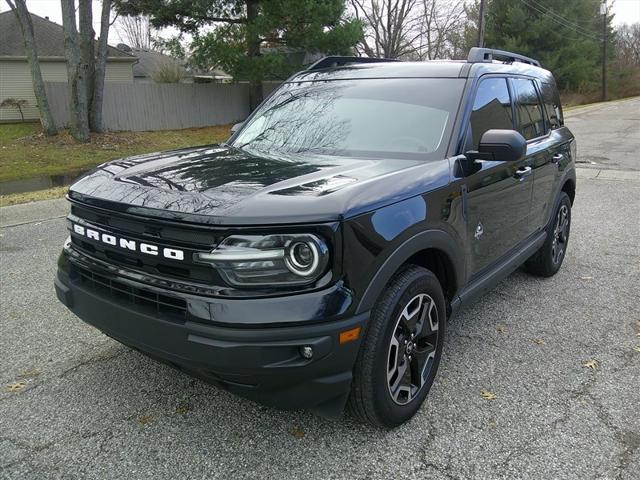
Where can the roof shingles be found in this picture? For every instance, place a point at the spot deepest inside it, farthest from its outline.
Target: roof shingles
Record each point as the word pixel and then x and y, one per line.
pixel 49 37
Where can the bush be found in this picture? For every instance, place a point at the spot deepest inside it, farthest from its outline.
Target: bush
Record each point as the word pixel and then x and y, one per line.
pixel 168 72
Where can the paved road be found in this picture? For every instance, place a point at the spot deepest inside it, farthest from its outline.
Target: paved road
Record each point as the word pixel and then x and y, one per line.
pixel 609 134
pixel 90 408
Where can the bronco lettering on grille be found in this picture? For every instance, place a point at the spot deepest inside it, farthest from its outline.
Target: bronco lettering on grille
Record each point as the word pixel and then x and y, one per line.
pixel 126 244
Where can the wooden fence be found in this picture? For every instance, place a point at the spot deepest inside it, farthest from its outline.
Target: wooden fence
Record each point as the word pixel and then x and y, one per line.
pixel 157 106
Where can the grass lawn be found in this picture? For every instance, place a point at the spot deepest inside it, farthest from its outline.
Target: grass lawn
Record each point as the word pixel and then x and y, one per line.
pixel 26 153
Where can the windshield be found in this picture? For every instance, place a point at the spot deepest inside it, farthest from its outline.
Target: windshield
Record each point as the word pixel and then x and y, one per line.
pixel 405 118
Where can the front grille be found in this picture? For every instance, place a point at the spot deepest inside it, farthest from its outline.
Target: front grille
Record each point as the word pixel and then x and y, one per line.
pixel 183 237
pixel 146 301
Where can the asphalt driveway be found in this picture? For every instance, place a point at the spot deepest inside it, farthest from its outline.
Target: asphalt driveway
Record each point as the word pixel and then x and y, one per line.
pixel 541 379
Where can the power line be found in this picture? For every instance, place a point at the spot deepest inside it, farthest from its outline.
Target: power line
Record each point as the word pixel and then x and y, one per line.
pixel 561 23
pixel 561 18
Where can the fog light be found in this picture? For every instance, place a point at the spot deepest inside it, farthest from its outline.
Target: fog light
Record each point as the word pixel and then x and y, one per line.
pixel 306 352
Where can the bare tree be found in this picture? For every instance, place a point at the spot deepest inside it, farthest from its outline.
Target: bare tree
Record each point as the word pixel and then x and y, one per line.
pixel 411 29
pixel 19 8
pixel 391 26
pixel 17 103
pixel 136 31
pixel 76 80
pixel 87 39
pixel 95 115
pixel 441 28
pixel 628 44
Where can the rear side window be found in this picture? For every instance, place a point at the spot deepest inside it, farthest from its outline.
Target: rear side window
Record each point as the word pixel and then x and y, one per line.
pixel 530 117
pixel 552 107
pixel 491 109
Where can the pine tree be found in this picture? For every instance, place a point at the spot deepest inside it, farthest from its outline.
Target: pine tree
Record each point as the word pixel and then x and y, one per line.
pixel 565 36
pixel 254 40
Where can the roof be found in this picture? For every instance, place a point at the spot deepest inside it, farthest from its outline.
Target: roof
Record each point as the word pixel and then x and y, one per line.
pixel 149 61
pixel 49 38
pixel 426 69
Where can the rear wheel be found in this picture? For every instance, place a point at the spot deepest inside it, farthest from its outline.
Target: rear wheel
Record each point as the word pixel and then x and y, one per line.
pixel 401 351
pixel 547 261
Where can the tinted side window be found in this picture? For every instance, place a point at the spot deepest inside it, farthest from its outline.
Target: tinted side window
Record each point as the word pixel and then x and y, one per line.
pixel 551 101
pixel 491 109
pixel 531 123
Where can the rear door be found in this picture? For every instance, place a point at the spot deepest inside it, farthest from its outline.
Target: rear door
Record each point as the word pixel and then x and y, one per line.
pixel 543 152
pixel 498 192
pixel 547 173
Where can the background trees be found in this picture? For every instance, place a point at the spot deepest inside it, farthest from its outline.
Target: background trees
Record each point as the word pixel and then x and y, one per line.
pixel 565 36
pixel 253 40
pixel 85 66
pixel 411 29
pixel 26 26
pixel 135 31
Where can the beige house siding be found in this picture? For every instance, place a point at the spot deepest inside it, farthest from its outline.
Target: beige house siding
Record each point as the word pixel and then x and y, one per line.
pixel 15 82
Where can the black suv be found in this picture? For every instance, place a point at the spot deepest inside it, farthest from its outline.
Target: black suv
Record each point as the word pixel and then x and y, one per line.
pixel 314 259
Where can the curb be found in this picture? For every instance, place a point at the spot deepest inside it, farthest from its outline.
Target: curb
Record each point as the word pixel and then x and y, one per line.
pixel 586 173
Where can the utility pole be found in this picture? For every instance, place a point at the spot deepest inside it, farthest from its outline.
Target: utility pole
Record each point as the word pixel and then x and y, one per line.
pixel 481 25
pixel 603 11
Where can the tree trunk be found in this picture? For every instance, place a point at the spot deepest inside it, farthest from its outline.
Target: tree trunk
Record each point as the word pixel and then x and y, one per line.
pixel 253 51
pixel 95 115
pixel 87 55
pixel 26 26
pixel 78 112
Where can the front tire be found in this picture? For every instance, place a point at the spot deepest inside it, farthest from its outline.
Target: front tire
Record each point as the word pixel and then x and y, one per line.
pixel 401 351
pixel 547 261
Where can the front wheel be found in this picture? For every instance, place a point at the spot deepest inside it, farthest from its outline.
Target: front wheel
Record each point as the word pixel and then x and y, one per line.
pixel 401 351
pixel 547 261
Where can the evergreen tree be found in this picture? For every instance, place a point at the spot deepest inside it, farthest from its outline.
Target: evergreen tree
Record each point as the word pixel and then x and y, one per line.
pixel 254 40
pixel 565 36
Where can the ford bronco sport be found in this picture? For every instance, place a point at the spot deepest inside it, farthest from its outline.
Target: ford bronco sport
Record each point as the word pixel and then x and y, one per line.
pixel 314 259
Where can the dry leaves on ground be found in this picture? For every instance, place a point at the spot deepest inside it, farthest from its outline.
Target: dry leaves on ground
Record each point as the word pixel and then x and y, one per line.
pixel 145 419
pixel 297 432
pixel 487 395
pixel 16 386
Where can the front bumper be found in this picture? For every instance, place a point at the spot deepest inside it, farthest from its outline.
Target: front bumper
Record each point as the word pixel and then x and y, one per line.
pixel 261 363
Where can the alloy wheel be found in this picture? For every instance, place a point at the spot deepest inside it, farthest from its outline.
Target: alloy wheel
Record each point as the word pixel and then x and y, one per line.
pixel 560 234
pixel 412 349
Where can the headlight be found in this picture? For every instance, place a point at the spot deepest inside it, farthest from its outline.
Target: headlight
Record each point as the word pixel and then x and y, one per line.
pixel 256 260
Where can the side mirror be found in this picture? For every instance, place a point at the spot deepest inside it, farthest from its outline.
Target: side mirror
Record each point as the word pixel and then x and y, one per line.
pixel 236 127
pixel 504 145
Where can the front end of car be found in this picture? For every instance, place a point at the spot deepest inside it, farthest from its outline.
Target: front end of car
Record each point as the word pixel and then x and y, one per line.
pixel 261 311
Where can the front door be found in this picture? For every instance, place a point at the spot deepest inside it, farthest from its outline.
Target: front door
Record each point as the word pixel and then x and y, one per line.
pixel 498 197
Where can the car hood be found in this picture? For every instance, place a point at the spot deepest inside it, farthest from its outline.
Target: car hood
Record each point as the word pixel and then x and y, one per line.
pixel 223 185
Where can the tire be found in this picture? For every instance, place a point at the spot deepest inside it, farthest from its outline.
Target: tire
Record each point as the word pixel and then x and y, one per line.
pixel 547 261
pixel 412 302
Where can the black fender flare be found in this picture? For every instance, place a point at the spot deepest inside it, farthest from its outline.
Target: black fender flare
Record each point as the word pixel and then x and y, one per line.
pixel 436 239
pixel 569 174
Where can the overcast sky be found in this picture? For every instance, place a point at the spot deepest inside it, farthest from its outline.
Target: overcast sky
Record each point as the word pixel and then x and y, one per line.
pixel 626 11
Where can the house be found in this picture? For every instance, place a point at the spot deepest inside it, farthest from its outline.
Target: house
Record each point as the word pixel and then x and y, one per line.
pixel 15 76
pixel 150 62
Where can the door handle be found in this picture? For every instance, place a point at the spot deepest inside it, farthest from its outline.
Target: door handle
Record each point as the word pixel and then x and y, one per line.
pixel 557 157
pixel 523 172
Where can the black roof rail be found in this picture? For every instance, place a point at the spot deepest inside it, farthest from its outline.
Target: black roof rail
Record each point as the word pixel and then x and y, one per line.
pixel 335 61
pixel 486 55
